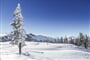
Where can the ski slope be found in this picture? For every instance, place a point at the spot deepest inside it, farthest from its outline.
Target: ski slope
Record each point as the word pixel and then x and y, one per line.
pixel 43 51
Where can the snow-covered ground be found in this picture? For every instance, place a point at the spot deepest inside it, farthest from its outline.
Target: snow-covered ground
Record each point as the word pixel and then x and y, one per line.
pixel 43 51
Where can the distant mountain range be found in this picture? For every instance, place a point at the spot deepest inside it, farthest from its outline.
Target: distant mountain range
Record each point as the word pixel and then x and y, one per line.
pixel 30 37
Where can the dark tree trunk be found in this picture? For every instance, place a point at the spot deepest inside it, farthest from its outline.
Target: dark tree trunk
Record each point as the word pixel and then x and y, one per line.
pixel 85 45
pixel 20 49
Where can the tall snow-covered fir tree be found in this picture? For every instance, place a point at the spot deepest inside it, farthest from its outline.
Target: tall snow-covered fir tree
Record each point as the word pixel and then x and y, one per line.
pixel 18 34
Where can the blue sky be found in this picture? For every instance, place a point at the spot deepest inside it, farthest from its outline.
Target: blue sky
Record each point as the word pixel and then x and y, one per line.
pixel 48 17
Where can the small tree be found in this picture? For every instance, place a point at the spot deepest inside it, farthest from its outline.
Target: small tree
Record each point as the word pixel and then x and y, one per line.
pixel 77 41
pixel 71 40
pixel 58 40
pixel 86 41
pixel 81 39
pixel 65 40
pixel 61 39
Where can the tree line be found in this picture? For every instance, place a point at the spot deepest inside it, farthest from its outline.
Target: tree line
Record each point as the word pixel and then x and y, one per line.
pixel 80 40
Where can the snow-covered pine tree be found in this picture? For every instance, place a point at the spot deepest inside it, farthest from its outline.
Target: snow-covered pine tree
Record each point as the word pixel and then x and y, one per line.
pixel 61 39
pixel 18 34
pixel 86 41
pixel 71 40
pixel 65 40
pixel 81 38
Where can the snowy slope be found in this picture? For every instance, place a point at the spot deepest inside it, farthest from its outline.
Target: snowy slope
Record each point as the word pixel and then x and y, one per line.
pixel 40 37
pixel 44 51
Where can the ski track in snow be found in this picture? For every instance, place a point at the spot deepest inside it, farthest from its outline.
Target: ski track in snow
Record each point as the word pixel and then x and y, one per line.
pixel 43 51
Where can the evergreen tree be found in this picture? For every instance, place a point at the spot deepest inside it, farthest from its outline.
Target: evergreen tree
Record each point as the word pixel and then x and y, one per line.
pixel 71 40
pixel 86 41
pixel 81 39
pixel 77 41
pixel 18 31
pixel 61 39
pixel 65 40
pixel 58 40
